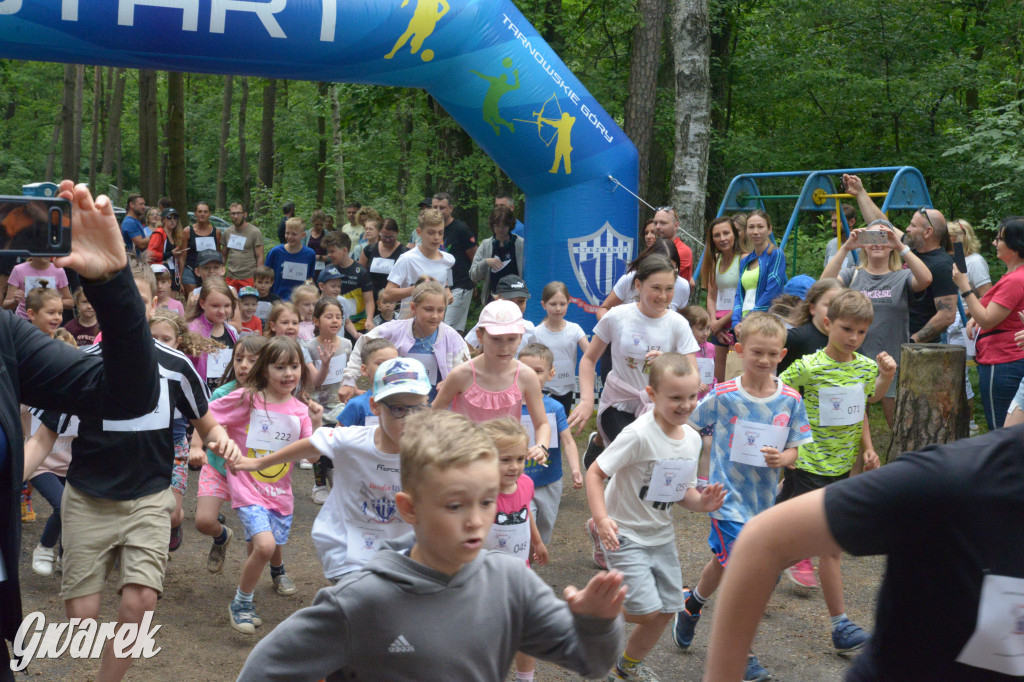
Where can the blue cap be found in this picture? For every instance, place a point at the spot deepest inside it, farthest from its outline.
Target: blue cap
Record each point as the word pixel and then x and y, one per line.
pixel 400 375
pixel 798 286
pixel 329 273
pixel 248 291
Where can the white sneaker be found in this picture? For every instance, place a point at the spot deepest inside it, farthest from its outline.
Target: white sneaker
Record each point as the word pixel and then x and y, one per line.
pixel 974 428
pixel 320 493
pixel 305 465
pixel 42 560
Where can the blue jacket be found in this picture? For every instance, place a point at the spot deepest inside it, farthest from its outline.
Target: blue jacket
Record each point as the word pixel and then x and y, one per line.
pixel 769 283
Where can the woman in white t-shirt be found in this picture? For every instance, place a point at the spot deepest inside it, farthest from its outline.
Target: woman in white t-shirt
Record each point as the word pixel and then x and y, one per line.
pixel 636 333
pixel 624 292
pixel 720 275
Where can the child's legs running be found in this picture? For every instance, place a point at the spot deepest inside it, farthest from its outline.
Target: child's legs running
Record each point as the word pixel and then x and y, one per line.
pixel 544 508
pixel 277 558
pixel 136 600
pixel 648 630
pixel 51 487
pixel 265 532
pixel 179 480
pixel 710 578
pixel 830 576
pixel 263 547
pixel 524 663
pixel 213 493
pixel 178 515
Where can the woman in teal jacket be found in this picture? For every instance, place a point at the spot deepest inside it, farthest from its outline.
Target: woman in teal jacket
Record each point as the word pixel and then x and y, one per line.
pixel 762 271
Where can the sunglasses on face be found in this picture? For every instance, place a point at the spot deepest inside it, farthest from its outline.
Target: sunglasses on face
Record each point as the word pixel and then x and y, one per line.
pixel 403 411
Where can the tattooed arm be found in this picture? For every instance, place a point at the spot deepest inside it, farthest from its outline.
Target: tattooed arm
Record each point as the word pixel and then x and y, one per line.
pixel 945 314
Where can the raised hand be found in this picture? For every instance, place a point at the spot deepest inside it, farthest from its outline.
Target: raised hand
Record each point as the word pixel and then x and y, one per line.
pixel 601 598
pixel 97 248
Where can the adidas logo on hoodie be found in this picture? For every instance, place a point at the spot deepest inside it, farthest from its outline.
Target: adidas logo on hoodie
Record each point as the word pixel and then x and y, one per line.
pixel 401 646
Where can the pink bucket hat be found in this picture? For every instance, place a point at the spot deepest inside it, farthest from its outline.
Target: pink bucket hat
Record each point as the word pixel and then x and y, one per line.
pixel 501 317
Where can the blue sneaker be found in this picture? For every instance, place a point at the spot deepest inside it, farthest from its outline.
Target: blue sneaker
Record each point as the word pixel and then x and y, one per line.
pixel 848 636
pixel 755 672
pixel 684 625
pixel 243 617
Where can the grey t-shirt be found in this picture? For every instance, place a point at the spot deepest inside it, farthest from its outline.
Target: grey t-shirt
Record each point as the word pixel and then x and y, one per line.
pixel 832 248
pixel 890 298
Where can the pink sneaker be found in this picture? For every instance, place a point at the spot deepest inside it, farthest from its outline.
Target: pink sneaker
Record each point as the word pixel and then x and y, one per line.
pixel 598 549
pixel 802 573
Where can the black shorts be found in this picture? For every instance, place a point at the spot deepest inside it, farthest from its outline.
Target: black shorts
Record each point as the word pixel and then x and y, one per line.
pixel 797 482
pixel 613 421
pixel 565 400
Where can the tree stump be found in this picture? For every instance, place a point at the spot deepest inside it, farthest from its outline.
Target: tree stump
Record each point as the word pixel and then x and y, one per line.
pixel 931 405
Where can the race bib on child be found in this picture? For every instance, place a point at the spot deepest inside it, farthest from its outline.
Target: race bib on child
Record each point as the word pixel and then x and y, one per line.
pixel 726 298
pixel 336 369
pixel 749 437
pixel 382 266
pixel 294 271
pixel 364 539
pixel 706 367
pixel 998 640
pixel 271 431
pixel 531 434
pixel 510 534
pixel 319 265
pixel 217 363
pixel 236 242
pixel 749 300
pixel 841 405
pixel 670 479
pixel 429 362
pixel 36 282
pixel 263 309
pixel 206 244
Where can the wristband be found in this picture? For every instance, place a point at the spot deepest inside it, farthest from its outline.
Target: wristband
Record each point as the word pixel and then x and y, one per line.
pixel 968 292
pixel 905 251
pixel 702 483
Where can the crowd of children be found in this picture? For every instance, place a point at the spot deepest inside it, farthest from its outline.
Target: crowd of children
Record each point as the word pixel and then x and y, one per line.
pixel 484 470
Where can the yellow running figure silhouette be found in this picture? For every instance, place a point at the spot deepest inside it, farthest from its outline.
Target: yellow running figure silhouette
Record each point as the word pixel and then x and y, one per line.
pixel 424 21
pixel 563 133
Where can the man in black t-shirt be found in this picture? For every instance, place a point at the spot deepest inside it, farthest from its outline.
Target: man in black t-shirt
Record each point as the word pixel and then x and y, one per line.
pixel 461 243
pixel 934 309
pixel 289 212
pixel 951 604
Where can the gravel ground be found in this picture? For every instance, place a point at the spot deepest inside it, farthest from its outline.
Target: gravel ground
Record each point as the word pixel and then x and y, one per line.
pixel 197 643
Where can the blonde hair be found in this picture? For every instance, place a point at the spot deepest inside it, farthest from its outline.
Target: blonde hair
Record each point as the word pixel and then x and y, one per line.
pixel 674 363
pixel 305 291
pixel 295 223
pixel 962 230
pixel 279 309
pixel 506 433
pixel 430 216
pixel 765 324
pixel 141 272
pixel 850 305
pixel 438 440
pixel 37 298
pixel 430 287
pixel 538 350
pixel 211 285
pixel 64 335
pixel 189 342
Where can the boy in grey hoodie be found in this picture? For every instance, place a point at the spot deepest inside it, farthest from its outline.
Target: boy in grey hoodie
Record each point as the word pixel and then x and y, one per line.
pixel 432 605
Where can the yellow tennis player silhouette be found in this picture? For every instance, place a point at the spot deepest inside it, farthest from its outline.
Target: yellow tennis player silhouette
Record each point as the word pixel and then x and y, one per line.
pixel 424 21
pixel 563 132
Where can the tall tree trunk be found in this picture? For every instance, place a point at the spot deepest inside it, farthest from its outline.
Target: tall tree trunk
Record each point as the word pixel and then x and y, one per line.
pixel 67 122
pixel 112 139
pixel 323 98
pixel 339 158
pixel 454 143
pixel 176 182
pixel 149 146
pixel 266 157
pixel 243 158
pixel 51 156
pixel 225 132
pixel 691 44
pixel 404 149
pixel 643 82
pixel 723 47
pixel 77 116
pixel 94 142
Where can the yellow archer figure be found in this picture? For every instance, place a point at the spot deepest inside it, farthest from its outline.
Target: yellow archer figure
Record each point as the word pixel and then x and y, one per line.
pixel 563 133
pixel 424 21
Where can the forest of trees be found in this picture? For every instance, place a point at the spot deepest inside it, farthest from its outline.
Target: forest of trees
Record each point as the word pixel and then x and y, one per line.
pixel 793 84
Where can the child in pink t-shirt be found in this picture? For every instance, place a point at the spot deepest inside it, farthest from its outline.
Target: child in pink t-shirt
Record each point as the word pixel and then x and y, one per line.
pixel 32 273
pixel 263 417
pixel 514 530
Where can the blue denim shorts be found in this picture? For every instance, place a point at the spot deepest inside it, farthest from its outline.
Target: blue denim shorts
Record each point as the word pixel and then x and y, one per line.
pixel 257 519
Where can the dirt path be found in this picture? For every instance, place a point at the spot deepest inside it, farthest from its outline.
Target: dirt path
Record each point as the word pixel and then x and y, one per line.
pixel 198 644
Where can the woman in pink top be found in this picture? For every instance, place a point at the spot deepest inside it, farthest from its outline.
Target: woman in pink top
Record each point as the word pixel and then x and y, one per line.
pixel 491 385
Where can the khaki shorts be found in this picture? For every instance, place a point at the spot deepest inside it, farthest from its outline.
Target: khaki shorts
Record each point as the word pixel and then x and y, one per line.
pixel 97 532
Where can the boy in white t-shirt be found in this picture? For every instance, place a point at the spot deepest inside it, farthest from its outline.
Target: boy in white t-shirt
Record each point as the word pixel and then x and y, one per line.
pixel 360 511
pixel 653 464
pixel 426 259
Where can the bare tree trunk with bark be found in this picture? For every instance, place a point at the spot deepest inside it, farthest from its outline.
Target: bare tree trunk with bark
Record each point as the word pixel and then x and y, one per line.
pixel 77 117
pixel 339 158
pixel 112 139
pixel 321 142
pixel 94 142
pixel 176 182
pixel 243 157
pixel 67 121
pixel 691 43
pixel 149 146
pixel 931 404
pixel 51 156
pixel 265 167
pixel 643 82
pixel 225 132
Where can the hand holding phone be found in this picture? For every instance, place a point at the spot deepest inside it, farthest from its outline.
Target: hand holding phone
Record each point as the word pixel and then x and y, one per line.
pixel 869 237
pixel 35 226
pixel 959 258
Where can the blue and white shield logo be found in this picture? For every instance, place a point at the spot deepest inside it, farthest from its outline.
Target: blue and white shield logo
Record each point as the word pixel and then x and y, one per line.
pixel 598 260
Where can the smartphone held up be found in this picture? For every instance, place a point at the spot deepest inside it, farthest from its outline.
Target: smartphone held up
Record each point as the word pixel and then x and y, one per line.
pixel 35 226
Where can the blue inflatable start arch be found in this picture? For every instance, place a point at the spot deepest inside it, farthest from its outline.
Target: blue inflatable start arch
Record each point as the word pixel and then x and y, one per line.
pixel 480 59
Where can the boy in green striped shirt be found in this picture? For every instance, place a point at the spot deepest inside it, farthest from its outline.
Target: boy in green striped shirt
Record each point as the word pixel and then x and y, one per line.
pixel 837 382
